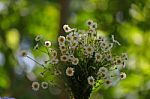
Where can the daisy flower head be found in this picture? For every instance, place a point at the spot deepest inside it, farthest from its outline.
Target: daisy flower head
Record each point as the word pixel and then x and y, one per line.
pixel 89 49
pixel 44 85
pixel 103 70
pixel 91 80
pixel 75 61
pixel 89 22
pixel 64 58
pixel 70 71
pixel 98 57
pixel 35 86
pixel 61 39
pixel 94 25
pixel 38 38
pixel 47 43
pixel 108 82
pixel 69 37
pixel 67 28
pixel 74 44
pixel 54 61
pixel 76 37
pixel 122 75
pixel 54 53
pixel 62 47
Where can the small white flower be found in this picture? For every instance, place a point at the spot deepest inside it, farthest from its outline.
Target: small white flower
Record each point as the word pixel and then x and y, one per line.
pixel 69 37
pixel 67 28
pixel 44 85
pixel 54 53
pixel 91 80
pixel 64 58
pixel 76 37
pixel 47 43
pixel 122 75
pixel 89 49
pixel 38 38
pixel 62 47
pixel 108 82
pixel 54 61
pixel 98 57
pixel 61 39
pixel 75 61
pixel 89 22
pixel 73 44
pixel 102 70
pixel 93 26
pixel 35 86
pixel 70 71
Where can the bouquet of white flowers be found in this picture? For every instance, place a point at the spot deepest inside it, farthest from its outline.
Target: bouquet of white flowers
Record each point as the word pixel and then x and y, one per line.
pixel 83 61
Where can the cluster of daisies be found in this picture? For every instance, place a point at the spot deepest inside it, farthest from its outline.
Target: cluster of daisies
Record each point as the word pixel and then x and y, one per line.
pixel 83 52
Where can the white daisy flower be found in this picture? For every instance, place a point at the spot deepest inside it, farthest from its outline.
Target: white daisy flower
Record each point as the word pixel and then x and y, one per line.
pixel 35 86
pixel 44 85
pixel 89 22
pixel 61 39
pixel 70 71
pixel 67 28
pixel 89 49
pixel 64 58
pixel 47 43
pixel 98 57
pixel 75 61
pixel 64 52
pixel 70 58
pixel 54 61
pixel 122 75
pixel 54 53
pixel 74 44
pixel 91 80
pixel 38 38
pixel 69 38
pixel 62 47
pixel 76 37
pixel 93 26
pixel 102 70
pixel 108 82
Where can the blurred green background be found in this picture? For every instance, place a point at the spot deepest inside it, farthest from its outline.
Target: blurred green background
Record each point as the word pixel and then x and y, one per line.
pixel 22 20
